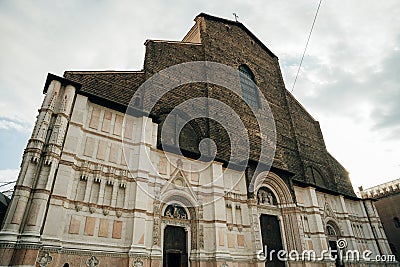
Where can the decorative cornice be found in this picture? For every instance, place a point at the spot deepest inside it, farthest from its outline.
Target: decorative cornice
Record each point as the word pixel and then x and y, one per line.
pixel 382 190
pixel 51 77
pixel 20 246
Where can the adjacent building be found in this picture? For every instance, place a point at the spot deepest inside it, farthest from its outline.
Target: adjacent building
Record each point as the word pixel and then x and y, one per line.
pixel 387 203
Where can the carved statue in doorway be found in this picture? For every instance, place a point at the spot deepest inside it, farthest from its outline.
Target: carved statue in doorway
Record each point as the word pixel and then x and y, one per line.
pixel 265 196
pixel 270 199
pixel 175 211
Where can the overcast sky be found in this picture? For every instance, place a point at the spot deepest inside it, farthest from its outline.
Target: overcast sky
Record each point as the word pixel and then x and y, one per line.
pixel 349 81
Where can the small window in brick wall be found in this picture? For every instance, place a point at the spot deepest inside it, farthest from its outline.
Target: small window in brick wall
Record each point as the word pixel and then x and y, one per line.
pixel 249 88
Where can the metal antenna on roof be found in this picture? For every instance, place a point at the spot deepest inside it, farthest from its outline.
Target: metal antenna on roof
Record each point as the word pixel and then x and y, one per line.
pixel 236 16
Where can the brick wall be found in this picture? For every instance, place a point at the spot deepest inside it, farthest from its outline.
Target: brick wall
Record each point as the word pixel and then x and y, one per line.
pixel 300 143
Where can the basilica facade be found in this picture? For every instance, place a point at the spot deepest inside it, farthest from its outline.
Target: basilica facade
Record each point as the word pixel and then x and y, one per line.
pixel 99 187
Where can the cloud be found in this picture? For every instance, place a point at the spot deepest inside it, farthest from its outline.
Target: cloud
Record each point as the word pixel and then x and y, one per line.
pixel 8 124
pixel 8 175
pixel 386 113
pixel 368 95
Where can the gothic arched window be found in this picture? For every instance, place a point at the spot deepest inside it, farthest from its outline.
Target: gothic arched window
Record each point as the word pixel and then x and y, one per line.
pixel 396 222
pixel 249 88
pixel 315 176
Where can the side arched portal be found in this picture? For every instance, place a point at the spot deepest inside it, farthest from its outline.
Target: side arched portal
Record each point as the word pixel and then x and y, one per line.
pixel 332 232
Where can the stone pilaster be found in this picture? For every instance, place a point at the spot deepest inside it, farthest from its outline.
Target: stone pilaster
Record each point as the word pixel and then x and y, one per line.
pixel 30 165
pixel 318 224
pixel 352 243
pixel 26 216
pixel 48 165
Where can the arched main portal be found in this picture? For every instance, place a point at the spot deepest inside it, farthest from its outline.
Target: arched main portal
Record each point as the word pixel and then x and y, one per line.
pixel 271 239
pixel 175 247
pixel 179 213
pixel 275 209
pixel 177 233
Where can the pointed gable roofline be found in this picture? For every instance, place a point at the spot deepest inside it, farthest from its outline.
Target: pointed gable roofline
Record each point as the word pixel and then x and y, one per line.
pixel 239 24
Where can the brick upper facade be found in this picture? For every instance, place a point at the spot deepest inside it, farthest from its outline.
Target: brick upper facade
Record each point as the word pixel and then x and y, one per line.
pixel 301 155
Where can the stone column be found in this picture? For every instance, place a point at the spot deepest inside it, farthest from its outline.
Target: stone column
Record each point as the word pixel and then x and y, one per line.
pixel 49 164
pixel 318 225
pixel 233 212
pixel 88 188
pixel 219 212
pixel 140 228
pixel 256 237
pixel 140 166
pixel 29 166
pixel 114 193
pixel 291 227
pixel 67 179
pixel 352 243
pixel 38 169
pixel 100 199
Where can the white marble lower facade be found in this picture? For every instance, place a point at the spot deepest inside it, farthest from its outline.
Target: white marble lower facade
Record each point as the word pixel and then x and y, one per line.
pixel 84 205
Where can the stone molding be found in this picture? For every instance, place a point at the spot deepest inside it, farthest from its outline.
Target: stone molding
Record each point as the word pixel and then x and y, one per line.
pixel 381 190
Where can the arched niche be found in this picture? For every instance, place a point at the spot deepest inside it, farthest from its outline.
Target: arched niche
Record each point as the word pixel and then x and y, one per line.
pixel 315 176
pixel 175 211
pixel 265 196
pixel 274 183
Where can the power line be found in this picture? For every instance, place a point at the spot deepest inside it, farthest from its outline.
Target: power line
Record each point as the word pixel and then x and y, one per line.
pixel 6 183
pixel 305 49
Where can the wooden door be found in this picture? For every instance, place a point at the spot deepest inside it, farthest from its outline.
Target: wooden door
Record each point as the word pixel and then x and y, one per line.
pixel 175 247
pixel 271 239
